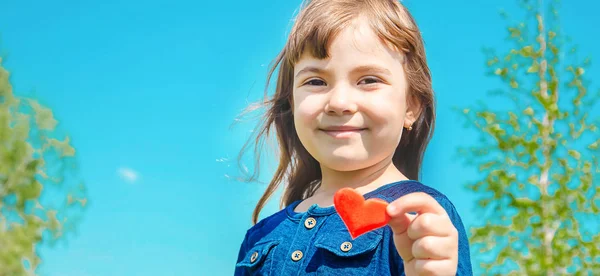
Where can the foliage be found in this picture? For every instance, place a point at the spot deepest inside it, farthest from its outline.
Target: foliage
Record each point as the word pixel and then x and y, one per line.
pixel 38 200
pixel 538 160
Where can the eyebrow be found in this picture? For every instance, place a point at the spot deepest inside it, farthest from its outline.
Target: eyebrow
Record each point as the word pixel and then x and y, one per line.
pixel 372 69
pixel 360 69
pixel 309 69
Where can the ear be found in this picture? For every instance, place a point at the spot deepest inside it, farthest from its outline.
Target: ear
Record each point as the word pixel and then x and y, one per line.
pixel 413 110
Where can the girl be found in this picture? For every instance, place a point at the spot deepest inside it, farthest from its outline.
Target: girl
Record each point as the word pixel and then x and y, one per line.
pixel 353 107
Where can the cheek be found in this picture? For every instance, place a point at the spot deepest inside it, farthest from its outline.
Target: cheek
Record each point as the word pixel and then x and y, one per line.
pixel 307 108
pixel 388 108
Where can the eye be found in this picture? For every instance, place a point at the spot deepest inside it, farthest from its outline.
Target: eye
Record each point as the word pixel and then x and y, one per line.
pixel 369 80
pixel 315 82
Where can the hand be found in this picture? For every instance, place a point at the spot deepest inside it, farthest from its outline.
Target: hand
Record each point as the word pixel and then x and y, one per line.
pixel 428 241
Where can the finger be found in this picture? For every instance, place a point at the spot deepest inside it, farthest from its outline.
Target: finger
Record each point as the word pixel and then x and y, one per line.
pixel 435 267
pixel 400 222
pixel 429 224
pixel 403 243
pixel 435 248
pixel 415 202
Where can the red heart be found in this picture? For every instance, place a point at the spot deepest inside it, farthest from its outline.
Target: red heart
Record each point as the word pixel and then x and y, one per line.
pixel 360 216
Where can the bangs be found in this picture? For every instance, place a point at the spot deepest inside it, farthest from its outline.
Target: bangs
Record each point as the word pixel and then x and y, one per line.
pixel 320 23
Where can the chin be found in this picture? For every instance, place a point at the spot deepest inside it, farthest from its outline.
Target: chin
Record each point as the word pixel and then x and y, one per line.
pixel 345 163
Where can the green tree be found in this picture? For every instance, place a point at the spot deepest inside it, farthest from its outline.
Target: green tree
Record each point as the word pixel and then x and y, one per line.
pixel 538 160
pixel 41 198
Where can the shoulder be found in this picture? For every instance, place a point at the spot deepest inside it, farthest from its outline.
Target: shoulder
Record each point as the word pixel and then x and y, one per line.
pixel 393 191
pixel 265 226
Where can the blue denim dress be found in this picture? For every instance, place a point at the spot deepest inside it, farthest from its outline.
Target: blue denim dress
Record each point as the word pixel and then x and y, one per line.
pixel 316 242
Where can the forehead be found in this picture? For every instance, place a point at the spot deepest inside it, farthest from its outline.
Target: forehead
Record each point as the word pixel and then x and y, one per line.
pixel 355 45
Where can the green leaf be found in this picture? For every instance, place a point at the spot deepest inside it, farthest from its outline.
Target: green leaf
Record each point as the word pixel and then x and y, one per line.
pixel 492 61
pixel 594 145
pixel 501 71
pixel 43 116
pixel 534 68
pixel 487 165
pixel 64 147
pixel 514 32
pixel 575 154
pixel 526 51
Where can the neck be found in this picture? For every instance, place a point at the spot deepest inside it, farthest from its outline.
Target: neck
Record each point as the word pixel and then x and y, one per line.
pixel 363 180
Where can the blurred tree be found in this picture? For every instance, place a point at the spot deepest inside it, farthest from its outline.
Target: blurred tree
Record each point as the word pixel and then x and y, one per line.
pixel 37 190
pixel 539 159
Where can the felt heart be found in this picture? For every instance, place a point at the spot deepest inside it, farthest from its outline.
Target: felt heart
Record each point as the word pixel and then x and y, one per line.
pixel 360 215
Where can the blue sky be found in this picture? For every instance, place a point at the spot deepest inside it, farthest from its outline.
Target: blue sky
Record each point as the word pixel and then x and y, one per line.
pixel 148 89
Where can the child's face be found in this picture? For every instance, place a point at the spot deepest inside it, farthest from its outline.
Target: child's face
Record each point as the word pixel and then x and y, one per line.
pixel 362 87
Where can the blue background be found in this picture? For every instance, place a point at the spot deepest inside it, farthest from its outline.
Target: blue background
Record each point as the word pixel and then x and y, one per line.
pixel 152 87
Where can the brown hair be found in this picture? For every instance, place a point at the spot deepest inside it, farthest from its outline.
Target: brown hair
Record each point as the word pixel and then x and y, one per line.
pixel 317 24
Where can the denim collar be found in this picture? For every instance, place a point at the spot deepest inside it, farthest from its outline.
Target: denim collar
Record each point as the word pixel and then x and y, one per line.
pixel 316 210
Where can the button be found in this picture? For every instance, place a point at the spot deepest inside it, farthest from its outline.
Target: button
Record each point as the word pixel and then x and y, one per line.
pixel 346 246
pixel 297 255
pixel 310 223
pixel 253 257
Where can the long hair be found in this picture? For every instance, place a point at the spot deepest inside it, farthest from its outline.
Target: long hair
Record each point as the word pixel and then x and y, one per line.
pixel 317 24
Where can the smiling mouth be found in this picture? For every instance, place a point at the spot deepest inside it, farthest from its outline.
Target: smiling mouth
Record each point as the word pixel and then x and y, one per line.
pixel 343 132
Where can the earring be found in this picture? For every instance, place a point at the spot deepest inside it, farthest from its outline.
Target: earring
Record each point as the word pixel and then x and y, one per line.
pixel 410 127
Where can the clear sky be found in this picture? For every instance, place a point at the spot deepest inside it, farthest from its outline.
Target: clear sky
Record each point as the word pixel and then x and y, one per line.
pixel 148 90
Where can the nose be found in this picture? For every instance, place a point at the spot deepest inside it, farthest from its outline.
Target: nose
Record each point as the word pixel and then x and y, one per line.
pixel 341 101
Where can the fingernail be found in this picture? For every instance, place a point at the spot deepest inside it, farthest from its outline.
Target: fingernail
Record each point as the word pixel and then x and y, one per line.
pixel 392 210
